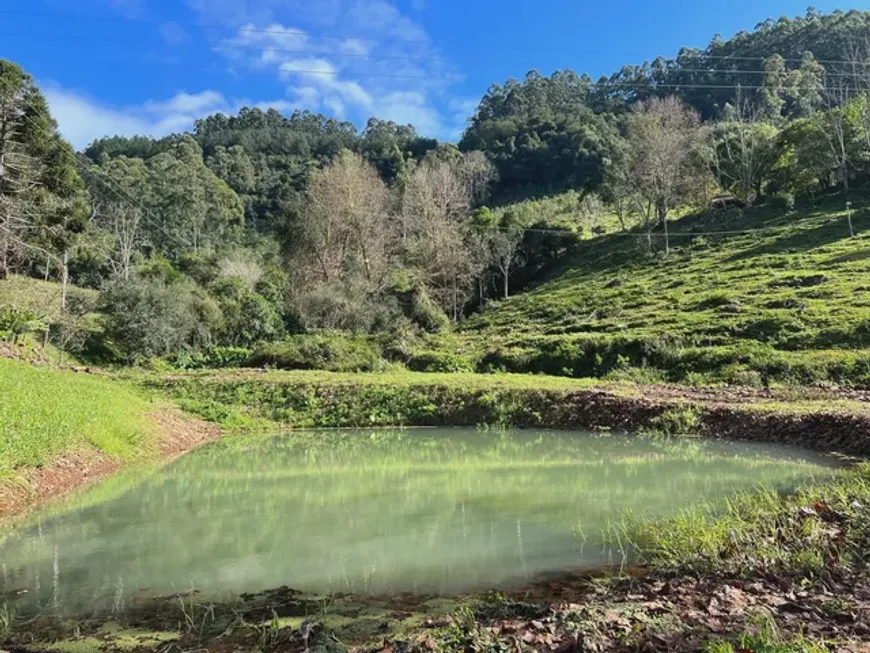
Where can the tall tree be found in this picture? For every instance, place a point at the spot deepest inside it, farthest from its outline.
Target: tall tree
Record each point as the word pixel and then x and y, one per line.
pixel 744 151
pixel 41 193
pixel 662 136
pixel 345 222
pixel 436 203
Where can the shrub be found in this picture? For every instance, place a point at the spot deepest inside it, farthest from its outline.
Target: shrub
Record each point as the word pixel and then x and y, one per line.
pixel 783 201
pixel 213 358
pixel 247 318
pixel 440 361
pixel 334 353
pixel 146 318
pixel 677 420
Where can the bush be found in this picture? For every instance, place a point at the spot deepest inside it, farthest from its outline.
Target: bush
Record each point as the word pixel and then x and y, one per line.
pixel 147 318
pixel 678 420
pixel 247 318
pixel 213 358
pixel 783 201
pixel 440 361
pixel 334 353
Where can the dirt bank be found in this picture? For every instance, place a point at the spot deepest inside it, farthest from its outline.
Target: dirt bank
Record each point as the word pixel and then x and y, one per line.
pixel 830 420
pixel 72 471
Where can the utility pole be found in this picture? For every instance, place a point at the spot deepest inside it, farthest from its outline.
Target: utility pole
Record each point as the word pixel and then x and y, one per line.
pixel 849 218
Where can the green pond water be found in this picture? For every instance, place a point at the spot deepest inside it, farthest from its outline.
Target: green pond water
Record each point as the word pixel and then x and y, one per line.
pixel 427 510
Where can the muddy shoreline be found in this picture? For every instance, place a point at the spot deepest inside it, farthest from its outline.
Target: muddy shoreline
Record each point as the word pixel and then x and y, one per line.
pixel 74 471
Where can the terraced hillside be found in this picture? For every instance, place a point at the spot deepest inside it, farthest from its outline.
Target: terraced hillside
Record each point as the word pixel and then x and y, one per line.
pixel 771 294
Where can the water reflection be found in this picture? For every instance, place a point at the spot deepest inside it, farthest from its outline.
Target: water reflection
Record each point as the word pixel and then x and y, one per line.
pixel 353 511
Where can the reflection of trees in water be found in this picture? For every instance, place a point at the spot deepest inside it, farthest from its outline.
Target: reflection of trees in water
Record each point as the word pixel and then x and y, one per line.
pixel 433 510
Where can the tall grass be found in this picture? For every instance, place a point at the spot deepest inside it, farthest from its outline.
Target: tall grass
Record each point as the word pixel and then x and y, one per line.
pixel 821 528
pixel 44 412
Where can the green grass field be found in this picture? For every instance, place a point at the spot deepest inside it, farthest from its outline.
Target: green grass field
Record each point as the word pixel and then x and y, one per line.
pixel 44 413
pixel 789 301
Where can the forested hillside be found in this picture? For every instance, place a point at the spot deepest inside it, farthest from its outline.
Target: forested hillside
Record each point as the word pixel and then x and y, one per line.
pixel 301 240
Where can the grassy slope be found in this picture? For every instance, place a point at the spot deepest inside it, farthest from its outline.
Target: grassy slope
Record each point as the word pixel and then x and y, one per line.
pixel 735 292
pixel 44 413
pixel 41 297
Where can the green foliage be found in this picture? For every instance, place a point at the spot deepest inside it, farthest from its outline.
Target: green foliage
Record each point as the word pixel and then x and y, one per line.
pixel 678 420
pixel 440 361
pixel 320 352
pixel 46 412
pixel 818 530
pixel 213 358
pixel 246 318
pixel 784 303
pixel 765 637
pixel 147 318
pixel 542 133
pixel 17 322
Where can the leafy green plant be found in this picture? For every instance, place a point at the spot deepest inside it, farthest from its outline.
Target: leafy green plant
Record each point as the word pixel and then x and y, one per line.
pixel 17 322
pixel 678 420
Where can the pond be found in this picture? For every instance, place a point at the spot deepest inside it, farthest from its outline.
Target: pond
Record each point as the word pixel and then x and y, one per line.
pixel 386 511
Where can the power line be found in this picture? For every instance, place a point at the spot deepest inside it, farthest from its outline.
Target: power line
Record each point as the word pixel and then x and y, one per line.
pixel 407 57
pixel 291 31
pixel 118 190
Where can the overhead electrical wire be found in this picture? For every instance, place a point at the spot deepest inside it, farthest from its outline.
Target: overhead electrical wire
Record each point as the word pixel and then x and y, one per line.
pixel 392 39
pixel 107 182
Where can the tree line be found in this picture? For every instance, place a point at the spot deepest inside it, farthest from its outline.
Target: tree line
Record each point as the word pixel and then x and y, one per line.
pixel 259 225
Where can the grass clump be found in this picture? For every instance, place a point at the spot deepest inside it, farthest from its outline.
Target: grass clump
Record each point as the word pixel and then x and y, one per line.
pixel 766 637
pixel 819 531
pixel 45 412
pixel 677 420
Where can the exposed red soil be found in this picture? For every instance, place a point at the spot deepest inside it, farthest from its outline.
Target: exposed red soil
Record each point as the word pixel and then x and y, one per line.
pixel 72 471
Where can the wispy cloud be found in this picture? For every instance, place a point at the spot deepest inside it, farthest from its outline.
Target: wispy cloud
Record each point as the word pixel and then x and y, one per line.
pixel 370 59
pixel 82 119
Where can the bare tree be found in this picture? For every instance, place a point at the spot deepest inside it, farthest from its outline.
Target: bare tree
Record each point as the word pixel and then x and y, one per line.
pixel 619 192
pixel 345 222
pixel 505 246
pixel 16 170
pixel 240 267
pixel 436 202
pixel 478 173
pixel 662 135
pixel 124 222
pixel 836 127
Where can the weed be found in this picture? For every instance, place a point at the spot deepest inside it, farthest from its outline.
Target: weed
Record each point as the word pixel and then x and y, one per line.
pixel 678 420
pixel 7 619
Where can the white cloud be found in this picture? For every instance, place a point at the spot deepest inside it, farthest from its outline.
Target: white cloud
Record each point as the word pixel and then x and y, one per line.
pixel 389 67
pixel 410 107
pixel 463 106
pixel 355 47
pixel 82 119
pixel 187 103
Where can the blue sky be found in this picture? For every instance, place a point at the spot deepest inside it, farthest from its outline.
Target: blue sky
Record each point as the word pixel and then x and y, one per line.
pixel 153 66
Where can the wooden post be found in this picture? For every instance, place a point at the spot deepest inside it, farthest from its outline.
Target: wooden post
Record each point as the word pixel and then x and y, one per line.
pixel 65 277
pixel 849 218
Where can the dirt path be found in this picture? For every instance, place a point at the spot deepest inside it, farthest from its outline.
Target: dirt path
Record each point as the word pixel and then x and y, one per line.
pixel 69 472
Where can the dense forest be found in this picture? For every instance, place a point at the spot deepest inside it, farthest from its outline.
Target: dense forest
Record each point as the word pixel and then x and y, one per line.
pixel 257 226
